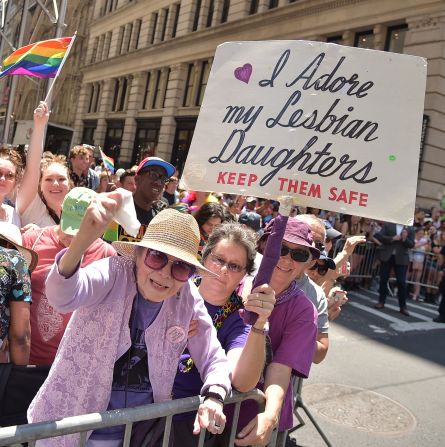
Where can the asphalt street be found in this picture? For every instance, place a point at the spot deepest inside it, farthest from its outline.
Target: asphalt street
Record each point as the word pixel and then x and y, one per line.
pixel 383 381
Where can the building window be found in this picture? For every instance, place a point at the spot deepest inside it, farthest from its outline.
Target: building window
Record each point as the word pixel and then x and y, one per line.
pixel 196 18
pixel 107 44
pixel 273 4
pixel 364 40
pixel 147 92
pixel 164 24
pixel 176 7
pixel 157 100
pixel 335 39
pixel 93 105
pixel 129 32
pixel 154 22
pixel 123 94
pixel 136 34
pixel 225 11
pixel 205 71
pixel 94 52
pixel 88 132
pixel 189 86
pixel 116 94
pixel 120 39
pixel 90 103
pixel 253 7
pixel 210 13
pixel 395 38
pixel 164 93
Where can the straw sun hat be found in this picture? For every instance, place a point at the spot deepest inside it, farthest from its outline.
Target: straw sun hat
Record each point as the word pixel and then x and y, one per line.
pixel 11 233
pixel 173 233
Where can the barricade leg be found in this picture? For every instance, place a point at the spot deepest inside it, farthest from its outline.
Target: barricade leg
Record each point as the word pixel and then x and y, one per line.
pixel 297 384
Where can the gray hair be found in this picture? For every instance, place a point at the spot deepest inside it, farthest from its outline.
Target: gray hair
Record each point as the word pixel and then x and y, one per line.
pixel 233 232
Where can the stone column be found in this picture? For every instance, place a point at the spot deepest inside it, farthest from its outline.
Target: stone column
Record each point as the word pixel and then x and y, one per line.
pixel 263 5
pixel 104 110
pixel 379 32
pixel 238 9
pixel 173 98
pixel 186 15
pixel 82 105
pixel 136 86
pixel 348 38
pixel 425 37
pixel 217 11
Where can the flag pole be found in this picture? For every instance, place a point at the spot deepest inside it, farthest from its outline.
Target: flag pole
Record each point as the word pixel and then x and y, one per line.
pixel 48 94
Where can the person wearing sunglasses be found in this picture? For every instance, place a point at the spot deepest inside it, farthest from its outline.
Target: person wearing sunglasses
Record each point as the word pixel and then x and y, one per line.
pixel 230 253
pixel 130 326
pixel 293 333
pixel 151 177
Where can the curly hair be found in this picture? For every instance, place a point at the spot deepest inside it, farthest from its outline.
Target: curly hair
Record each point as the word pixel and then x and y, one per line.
pixel 236 233
pixel 14 156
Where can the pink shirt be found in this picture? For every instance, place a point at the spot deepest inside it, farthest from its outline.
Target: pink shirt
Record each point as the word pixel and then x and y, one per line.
pixel 48 325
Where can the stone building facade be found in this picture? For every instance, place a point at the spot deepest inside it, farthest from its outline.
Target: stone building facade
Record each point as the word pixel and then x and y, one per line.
pixel 145 65
pixel 29 90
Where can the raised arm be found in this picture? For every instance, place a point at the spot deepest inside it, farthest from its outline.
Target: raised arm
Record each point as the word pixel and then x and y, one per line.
pixel 30 182
pixel 97 217
pixel 248 362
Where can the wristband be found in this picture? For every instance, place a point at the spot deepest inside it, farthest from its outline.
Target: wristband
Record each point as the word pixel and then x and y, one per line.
pixel 213 395
pixel 259 331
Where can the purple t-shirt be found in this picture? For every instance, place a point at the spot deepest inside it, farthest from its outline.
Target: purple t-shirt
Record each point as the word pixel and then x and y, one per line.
pixel 131 384
pixel 232 334
pixel 293 334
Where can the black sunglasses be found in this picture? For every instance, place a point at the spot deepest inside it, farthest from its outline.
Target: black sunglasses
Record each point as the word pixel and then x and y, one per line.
pixel 180 270
pixel 297 254
pixel 155 176
pixel 322 269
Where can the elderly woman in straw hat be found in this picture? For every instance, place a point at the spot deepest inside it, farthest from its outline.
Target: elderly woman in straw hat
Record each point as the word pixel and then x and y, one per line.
pixel 130 325
pixel 16 262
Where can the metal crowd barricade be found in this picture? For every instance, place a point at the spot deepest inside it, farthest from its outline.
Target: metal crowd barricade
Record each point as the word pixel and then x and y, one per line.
pixel 297 385
pixel 16 435
pixel 423 269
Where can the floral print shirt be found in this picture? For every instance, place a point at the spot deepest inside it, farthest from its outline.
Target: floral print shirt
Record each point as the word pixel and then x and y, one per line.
pixel 15 285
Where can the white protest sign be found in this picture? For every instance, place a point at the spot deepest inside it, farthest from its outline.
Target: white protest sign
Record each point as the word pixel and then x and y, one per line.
pixel 336 127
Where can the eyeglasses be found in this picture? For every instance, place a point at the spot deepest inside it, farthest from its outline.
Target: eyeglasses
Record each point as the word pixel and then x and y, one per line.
pixel 231 266
pixel 319 245
pixel 155 176
pixel 297 254
pixel 322 269
pixel 180 270
pixel 8 175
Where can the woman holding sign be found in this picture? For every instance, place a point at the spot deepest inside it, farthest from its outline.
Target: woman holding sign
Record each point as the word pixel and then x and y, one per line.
pixel 293 333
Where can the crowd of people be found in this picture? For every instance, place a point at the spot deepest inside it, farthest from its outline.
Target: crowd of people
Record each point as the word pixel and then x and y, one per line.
pixel 157 314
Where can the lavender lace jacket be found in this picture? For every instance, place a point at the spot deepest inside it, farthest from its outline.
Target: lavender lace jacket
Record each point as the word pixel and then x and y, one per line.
pixel 98 334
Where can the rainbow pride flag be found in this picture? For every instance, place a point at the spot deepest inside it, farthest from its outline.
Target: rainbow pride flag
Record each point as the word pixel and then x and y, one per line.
pixel 41 59
pixel 108 161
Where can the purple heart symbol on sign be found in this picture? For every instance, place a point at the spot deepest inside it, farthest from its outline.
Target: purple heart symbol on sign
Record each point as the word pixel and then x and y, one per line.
pixel 243 73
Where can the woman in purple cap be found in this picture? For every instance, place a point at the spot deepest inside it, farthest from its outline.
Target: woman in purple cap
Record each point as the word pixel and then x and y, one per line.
pixel 293 333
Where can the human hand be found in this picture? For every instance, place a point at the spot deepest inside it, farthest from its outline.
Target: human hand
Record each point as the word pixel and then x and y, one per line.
pixel 99 214
pixel 336 298
pixel 352 241
pixel 41 114
pixel 210 416
pixel 29 227
pixel 193 328
pixel 261 301
pixel 397 237
pixel 258 431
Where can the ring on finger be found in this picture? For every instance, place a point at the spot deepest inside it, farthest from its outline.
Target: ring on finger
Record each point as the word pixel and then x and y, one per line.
pixel 262 303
